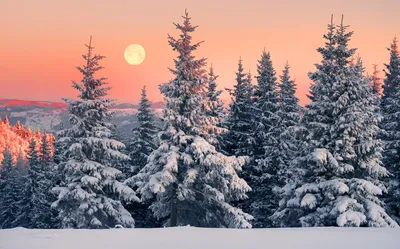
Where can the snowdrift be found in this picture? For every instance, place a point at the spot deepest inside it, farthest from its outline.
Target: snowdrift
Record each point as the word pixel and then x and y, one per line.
pixel 198 238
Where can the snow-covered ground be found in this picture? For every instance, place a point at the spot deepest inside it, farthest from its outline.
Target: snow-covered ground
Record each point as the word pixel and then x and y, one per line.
pixel 197 238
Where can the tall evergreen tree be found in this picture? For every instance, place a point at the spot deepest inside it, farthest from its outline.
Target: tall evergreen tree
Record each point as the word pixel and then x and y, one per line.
pixel 90 194
pixel 143 143
pixel 289 139
pixel 238 139
pixel 214 109
pixel 390 108
pixel 342 168
pixel 8 192
pixel 38 187
pixel 289 113
pixel 14 192
pixel 144 135
pixel 33 154
pixel 24 193
pixel 262 171
pixel 193 183
pixel 266 104
pixel 45 149
pixel 29 192
pixel 47 218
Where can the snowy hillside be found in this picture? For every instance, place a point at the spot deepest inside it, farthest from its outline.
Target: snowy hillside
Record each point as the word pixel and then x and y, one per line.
pixel 48 116
pixel 196 238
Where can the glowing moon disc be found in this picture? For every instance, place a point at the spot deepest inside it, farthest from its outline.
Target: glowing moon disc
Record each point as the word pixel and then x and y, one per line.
pixel 134 54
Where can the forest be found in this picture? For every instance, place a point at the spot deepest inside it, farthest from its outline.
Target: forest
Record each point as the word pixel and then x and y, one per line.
pixel 263 162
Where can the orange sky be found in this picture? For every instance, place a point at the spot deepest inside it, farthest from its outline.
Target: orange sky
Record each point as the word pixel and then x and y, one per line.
pixel 41 41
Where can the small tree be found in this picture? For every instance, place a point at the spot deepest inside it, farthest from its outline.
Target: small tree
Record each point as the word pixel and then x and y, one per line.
pixel 376 82
pixel 6 121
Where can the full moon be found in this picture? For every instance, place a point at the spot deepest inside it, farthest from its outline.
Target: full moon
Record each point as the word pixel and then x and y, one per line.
pixel 134 54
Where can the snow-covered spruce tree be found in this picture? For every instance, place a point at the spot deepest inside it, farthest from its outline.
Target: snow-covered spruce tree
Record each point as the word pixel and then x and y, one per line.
pixel 143 142
pixel 45 149
pixel 193 183
pixel 266 105
pixel 390 125
pixel 8 192
pixel 342 169
pixel 48 217
pixel 38 187
pixel 261 173
pixel 33 154
pixel 238 139
pixel 28 192
pixel 34 190
pixel 289 113
pixel 214 109
pixel 89 195
pixel 290 143
pixel 23 192
pixel 315 122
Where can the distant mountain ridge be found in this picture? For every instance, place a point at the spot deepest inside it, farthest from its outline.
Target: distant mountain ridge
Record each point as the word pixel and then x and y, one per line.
pixel 48 116
pixel 61 105
pixel 44 104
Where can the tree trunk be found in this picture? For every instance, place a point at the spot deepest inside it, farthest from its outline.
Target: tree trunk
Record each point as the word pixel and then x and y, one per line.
pixel 174 209
pixel 174 213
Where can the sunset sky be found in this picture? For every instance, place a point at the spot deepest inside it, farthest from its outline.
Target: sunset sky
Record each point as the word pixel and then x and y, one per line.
pixel 41 41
